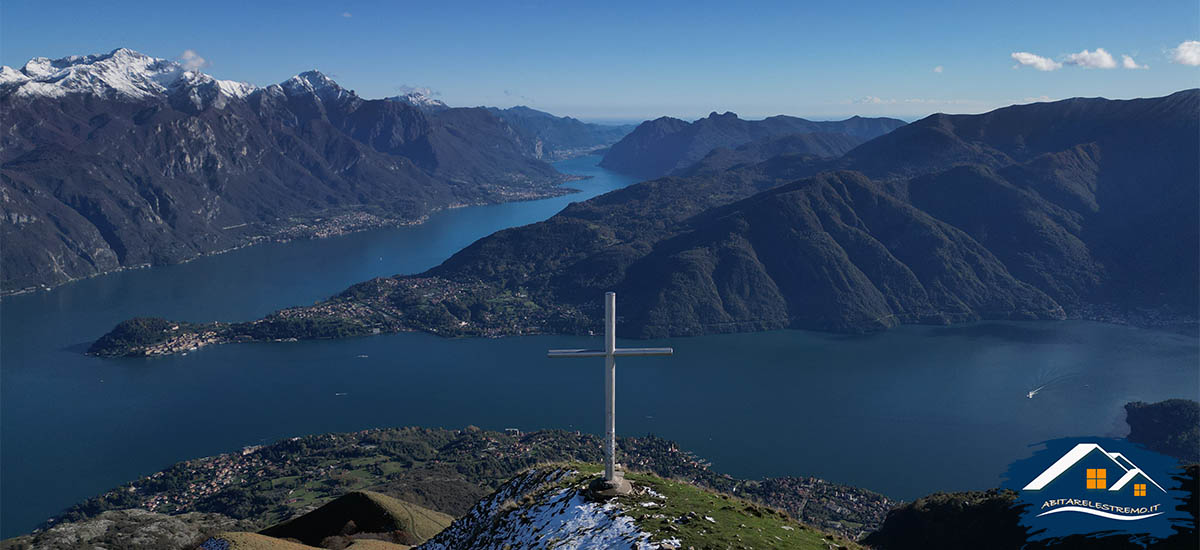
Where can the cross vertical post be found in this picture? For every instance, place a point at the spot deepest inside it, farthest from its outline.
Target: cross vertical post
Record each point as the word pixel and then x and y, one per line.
pixel 610 385
pixel 613 483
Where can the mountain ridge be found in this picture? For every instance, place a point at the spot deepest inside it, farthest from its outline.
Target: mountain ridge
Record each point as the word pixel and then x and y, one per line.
pixel 121 160
pixel 959 230
pixel 667 145
pixel 561 137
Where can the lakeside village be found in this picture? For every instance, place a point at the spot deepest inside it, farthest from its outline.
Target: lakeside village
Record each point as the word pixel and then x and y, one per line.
pixel 382 305
pixel 302 228
pixel 439 306
pixel 271 483
pixel 358 220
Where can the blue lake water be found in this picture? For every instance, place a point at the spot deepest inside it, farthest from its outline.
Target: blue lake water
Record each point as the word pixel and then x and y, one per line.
pixel 906 412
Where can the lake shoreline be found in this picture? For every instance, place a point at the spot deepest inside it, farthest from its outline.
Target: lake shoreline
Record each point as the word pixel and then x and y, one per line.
pixel 316 227
pixel 183 337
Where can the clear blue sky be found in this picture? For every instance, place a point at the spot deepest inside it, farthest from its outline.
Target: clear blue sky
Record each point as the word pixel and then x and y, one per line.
pixel 643 59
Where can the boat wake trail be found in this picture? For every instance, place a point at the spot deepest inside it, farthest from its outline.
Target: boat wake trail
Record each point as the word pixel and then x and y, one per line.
pixel 1051 379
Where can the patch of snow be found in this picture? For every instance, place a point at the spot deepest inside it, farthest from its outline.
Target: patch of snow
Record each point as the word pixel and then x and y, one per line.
pixel 9 75
pixel 40 89
pixel 40 67
pixel 560 518
pixel 314 82
pixel 654 494
pixel 233 88
pixel 672 542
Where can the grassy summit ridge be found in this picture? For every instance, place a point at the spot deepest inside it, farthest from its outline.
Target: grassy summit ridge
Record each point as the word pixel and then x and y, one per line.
pixel 550 506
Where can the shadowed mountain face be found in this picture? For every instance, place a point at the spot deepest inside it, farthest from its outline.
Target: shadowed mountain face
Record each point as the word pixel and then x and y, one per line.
pixel 1034 211
pixel 122 160
pixel 816 145
pixel 668 145
pixel 834 252
pixel 1092 200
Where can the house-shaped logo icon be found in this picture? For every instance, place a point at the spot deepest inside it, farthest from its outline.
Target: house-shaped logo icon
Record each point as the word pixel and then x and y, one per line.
pixel 1098 483
pixel 1075 486
pixel 1095 469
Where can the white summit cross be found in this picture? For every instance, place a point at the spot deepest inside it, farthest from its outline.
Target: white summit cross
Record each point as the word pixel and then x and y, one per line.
pixel 614 483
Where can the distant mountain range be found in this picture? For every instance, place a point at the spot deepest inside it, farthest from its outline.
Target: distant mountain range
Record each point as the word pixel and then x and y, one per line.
pixel 558 137
pixel 1082 208
pixel 1032 211
pixel 553 137
pixel 121 159
pixel 668 145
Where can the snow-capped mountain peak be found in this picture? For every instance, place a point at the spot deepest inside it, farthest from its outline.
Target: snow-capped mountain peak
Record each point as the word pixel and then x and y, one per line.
pixel 420 98
pixel 9 75
pixel 121 73
pixel 315 82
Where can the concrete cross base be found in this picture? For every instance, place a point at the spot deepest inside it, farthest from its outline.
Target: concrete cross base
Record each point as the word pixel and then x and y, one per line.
pixel 603 488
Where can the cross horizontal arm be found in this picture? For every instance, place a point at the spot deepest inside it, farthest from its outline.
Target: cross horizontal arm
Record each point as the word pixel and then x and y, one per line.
pixel 557 353
pixel 643 352
pixel 619 352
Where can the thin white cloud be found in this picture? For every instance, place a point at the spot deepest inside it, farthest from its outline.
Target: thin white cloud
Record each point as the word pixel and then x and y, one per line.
pixel 1087 59
pixel 938 69
pixel 422 90
pixel 191 61
pixel 1038 99
pixel 1036 61
pixel 1128 62
pixel 347 14
pixel 1186 53
pixel 1098 59
pixel 518 95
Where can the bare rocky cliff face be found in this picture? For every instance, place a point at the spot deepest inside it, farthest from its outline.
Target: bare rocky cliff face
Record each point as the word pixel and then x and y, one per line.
pixel 118 160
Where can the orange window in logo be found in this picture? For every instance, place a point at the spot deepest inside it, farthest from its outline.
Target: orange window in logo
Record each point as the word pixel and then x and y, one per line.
pixel 1097 478
pixel 1139 489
